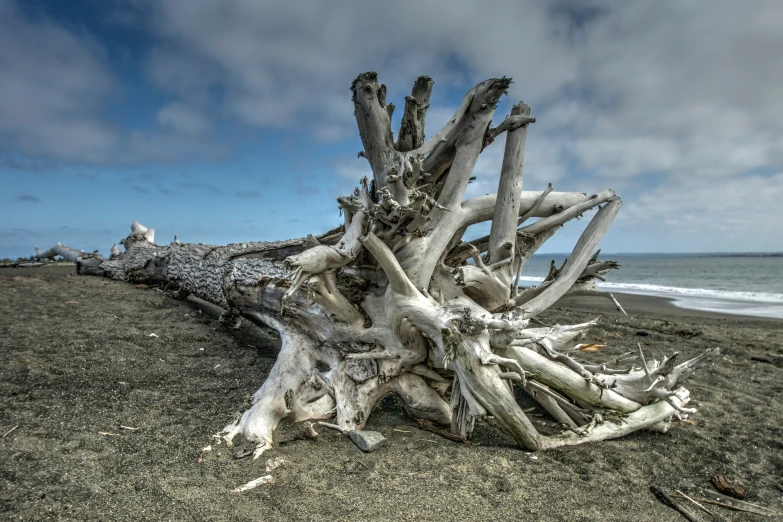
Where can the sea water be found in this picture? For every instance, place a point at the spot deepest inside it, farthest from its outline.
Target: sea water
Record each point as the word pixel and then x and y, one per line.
pixel 747 284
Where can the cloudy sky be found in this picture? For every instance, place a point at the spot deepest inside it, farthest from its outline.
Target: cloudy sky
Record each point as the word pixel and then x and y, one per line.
pixel 231 120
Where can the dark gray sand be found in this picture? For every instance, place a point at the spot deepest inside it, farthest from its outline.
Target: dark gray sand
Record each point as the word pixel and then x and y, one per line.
pixel 77 359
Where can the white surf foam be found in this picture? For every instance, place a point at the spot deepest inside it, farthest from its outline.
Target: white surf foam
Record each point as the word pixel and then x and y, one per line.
pixel 762 304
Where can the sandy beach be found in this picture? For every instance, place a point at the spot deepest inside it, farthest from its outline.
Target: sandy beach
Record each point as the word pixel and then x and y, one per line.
pixel 102 421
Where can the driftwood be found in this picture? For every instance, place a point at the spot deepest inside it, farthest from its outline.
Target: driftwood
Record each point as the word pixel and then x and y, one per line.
pixel 64 251
pixel 394 301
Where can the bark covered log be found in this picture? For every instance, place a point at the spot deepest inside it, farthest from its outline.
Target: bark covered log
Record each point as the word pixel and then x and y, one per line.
pixel 390 302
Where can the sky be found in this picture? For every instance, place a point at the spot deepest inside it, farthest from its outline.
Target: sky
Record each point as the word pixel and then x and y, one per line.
pixel 231 120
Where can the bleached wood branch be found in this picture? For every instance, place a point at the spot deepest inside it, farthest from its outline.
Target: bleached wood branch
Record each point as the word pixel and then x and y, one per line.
pixel 466 141
pixel 482 208
pixel 64 251
pixel 588 241
pixel 502 235
pixel 411 135
pixel 374 122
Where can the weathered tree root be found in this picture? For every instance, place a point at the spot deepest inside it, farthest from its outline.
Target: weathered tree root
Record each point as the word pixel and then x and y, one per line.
pixel 388 303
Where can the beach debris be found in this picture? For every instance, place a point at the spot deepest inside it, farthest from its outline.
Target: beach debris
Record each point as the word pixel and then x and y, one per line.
pixel 367 440
pixel 735 363
pixel 642 333
pixel 7 433
pixel 203 453
pixel 665 499
pixel 773 359
pixel 142 286
pixel 274 463
pixel 359 462
pixel 266 479
pixel 428 426
pixel 734 504
pixel 726 487
pixel 331 426
pixel 242 453
pixel 686 497
pixel 688 334
pixel 153 334
pixel 129 428
pixel 309 430
pixel 590 347
pixel 108 434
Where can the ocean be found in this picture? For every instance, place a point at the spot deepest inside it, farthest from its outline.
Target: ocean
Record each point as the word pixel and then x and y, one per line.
pixel 746 284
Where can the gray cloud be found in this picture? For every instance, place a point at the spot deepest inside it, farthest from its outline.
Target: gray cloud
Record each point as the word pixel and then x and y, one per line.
pixel 183 119
pixel 279 64
pixel 621 89
pixel 27 198
pixel 685 90
pixel 682 87
pixel 17 233
pixel 200 186
pixel 248 194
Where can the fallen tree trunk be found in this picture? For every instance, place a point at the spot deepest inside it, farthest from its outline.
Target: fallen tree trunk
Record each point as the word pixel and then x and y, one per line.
pixel 391 302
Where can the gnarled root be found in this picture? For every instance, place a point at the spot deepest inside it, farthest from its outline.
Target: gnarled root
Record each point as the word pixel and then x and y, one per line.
pixel 293 390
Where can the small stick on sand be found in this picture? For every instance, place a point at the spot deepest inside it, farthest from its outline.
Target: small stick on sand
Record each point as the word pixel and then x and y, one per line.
pixel 741 502
pixel 762 509
pixel 736 508
pixel 128 428
pixel 664 498
pixel 361 464
pixel 108 434
pixel 7 433
pixel 686 497
pixel 203 453
pixel 332 426
pixel 267 479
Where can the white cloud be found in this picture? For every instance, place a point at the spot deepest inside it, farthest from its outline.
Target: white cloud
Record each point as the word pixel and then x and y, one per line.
pixel 51 80
pixel 183 119
pixel 623 88
pixel 292 63
pixel 727 214
pixel 681 86
pixel 54 90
